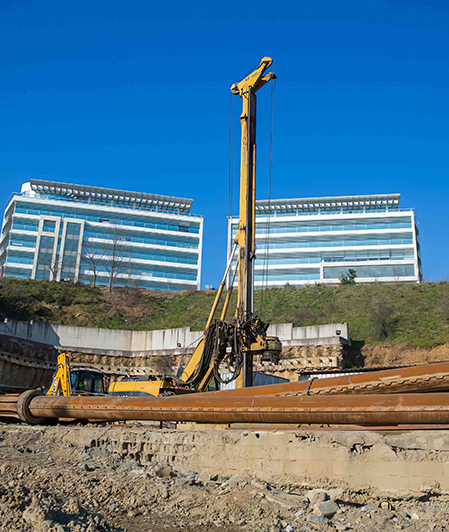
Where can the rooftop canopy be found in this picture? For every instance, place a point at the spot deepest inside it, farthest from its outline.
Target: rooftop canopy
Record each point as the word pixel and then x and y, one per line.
pixel 331 203
pixel 111 196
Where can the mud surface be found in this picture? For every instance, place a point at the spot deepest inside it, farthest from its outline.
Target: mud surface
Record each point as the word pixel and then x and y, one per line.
pixel 48 484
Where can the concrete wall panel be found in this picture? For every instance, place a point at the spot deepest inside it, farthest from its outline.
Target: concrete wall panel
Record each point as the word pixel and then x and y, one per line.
pixel 135 343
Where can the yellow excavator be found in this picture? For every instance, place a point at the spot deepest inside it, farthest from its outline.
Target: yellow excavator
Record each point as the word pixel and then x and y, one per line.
pixel 228 345
pixel 83 381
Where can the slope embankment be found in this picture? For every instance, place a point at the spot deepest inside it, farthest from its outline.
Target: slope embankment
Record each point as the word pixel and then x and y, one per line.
pixel 389 324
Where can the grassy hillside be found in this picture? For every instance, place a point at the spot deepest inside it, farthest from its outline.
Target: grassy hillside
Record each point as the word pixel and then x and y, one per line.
pixel 416 315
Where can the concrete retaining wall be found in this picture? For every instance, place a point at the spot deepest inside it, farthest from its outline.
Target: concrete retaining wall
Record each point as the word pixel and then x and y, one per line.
pixel 403 463
pixel 329 334
pixel 167 341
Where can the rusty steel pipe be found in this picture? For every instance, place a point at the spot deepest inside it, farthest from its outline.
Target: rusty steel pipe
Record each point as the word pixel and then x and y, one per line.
pixel 8 405
pixel 7 402
pixel 414 379
pixel 206 408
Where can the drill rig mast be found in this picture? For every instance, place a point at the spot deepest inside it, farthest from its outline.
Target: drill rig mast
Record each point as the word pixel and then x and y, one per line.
pixel 245 239
pixel 235 342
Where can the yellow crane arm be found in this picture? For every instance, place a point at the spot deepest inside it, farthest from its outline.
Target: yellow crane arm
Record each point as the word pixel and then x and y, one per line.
pixel 245 238
pixel 199 370
pixel 256 79
pixel 61 379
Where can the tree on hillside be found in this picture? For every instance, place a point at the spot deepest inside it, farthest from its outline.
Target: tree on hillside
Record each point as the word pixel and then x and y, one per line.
pixel 349 277
pixel 115 259
pixel 54 269
pixel 133 283
pixel 92 257
pixel 51 267
pixel 384 319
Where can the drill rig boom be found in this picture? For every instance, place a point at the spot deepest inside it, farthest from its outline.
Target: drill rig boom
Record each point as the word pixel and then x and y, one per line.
pixel 247 89
pixel 234 343
pixel 245 239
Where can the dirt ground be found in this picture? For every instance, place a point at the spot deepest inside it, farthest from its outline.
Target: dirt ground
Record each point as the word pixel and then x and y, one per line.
pixel 50 486
pixel 400 355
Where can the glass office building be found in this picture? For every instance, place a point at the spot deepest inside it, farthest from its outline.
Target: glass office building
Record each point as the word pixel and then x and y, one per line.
pixel 59 231
pixel 316 240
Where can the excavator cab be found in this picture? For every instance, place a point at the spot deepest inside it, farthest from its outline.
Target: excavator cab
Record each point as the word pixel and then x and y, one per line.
pixel 67 381
pixel 87 382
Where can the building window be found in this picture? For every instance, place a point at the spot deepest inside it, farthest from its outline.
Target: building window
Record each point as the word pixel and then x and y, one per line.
pixel 406 270
pixel 73 229
pixel 49 226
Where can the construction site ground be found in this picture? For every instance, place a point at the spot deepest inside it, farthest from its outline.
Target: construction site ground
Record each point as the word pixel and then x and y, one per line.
pixel 140 478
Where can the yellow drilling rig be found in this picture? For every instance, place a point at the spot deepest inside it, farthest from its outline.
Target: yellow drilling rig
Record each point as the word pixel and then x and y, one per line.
pixel 228 344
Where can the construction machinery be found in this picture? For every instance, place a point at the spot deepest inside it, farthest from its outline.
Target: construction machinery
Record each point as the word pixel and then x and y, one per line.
pixel 228 346
pixel 68 382
pixel 381 398
pixel 142 386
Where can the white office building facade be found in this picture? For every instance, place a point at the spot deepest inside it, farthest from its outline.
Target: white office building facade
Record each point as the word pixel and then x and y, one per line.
pixel 59 231
pixel 317 240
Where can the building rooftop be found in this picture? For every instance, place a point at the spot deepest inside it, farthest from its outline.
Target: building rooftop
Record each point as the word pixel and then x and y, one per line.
pixel 110 196
pixel 372 202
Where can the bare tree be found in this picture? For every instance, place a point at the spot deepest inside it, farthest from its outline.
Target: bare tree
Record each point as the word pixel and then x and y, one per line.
pixel 130 270
pixel 93 257
pixel 134 283
pixel 50 266
pixel 54 269
pixel 134 278
pixel 115 259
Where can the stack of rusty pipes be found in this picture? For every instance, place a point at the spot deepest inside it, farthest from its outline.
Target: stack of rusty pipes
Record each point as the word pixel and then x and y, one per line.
pixel 391 397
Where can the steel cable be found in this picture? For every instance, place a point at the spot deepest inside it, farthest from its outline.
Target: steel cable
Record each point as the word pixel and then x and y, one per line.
pixel 230 170
pixel 267 238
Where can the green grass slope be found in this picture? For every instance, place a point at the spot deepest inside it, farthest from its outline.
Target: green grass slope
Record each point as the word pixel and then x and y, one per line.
pixel 415 315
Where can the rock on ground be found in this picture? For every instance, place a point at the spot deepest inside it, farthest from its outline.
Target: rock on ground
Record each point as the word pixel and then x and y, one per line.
pixel 51 484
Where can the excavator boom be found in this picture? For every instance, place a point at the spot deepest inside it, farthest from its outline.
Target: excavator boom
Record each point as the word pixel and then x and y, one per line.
pixel 61 379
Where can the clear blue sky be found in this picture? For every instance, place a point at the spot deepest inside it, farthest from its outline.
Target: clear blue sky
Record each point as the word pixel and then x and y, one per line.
pixel 135 95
